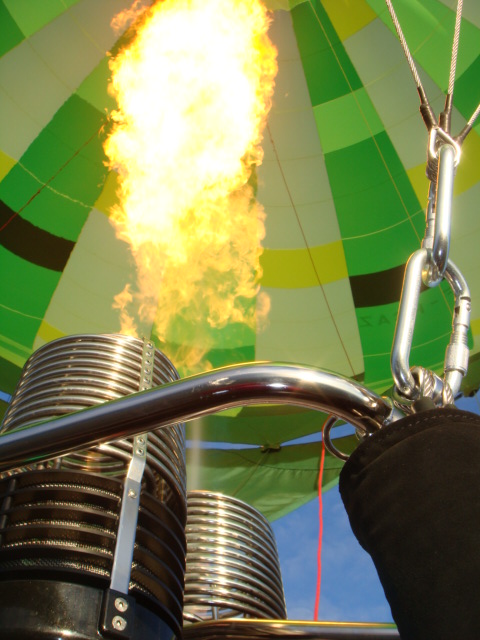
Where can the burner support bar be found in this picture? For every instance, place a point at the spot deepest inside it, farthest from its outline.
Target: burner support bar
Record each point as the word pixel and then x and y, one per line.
pixel 189 398
pixel 272 629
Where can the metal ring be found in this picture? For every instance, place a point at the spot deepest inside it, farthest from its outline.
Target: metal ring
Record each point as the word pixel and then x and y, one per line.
pixel 330 422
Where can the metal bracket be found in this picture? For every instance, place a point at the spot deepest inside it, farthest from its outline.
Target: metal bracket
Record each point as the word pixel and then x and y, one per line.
pixel 127 523
pixel 118 615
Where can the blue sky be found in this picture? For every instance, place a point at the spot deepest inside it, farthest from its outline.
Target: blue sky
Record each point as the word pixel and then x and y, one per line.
pixel 351 590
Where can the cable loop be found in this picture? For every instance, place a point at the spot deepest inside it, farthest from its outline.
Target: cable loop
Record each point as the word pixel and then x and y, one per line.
pixel 428 385
pixel 447 396
pixel 436 140
pixel 426 381
pixel 431 386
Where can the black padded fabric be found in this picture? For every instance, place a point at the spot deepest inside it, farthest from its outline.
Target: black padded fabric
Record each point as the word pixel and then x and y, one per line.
pixel 412 494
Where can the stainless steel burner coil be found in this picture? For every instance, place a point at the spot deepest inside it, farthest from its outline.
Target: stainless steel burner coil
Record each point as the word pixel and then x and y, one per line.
pixel 61 526
pixel 76 372
pixel 232 561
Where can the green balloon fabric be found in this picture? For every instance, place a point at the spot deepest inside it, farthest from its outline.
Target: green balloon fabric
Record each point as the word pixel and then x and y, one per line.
pixel 342 183
pixel 273 478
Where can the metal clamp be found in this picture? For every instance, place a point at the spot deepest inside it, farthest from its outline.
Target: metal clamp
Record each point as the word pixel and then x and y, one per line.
pixel 117 619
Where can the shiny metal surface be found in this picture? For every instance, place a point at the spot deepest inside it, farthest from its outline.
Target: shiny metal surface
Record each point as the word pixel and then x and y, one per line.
pixel 263 629
pixel 438 137
pixel 232 567
pixel 329 446
pixel 443 214
pixel 192 397
pixel 457 354
pixel 132 487
pixel 407 315
pixel 431 265
pixel 76 372
pixel 429 237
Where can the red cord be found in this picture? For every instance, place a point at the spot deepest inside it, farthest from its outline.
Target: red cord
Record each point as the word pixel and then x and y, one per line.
pixel 320 530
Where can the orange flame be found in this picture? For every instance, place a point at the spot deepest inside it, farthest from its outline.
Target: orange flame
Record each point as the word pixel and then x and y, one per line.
pixel 193 92
pixel 123 20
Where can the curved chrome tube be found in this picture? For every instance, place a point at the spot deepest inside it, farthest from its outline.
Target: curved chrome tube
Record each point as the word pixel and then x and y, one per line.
pixel 182 400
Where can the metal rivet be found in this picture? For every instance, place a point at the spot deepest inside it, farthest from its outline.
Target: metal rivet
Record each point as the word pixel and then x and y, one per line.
pixel 121 604
pixel 132 494
pixel 119 623
pixel 141 440
pixel 140 451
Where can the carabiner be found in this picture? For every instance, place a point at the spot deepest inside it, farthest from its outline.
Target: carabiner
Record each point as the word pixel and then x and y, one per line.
pixel 442 217
pixel 407 314
pixel 456 355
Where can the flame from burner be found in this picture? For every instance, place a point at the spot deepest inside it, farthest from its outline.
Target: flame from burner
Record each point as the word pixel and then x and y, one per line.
pixel 193 91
